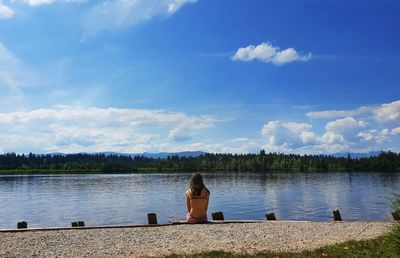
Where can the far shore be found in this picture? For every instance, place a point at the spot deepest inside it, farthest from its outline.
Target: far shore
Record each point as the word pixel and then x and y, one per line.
pixel 155 171
pixel 247 238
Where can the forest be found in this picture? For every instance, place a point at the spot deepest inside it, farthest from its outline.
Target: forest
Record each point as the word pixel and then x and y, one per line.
pixel 261 162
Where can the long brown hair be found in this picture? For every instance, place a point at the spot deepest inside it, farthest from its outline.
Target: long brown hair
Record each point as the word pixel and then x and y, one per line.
pixel 196 185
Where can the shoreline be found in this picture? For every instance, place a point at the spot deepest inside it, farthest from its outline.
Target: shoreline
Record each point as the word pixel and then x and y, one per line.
pixel 155 240
pixel 6 172
pixel 174 223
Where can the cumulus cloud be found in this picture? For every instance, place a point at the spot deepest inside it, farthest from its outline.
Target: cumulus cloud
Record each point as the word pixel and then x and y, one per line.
pixel 179 135
pixel 121 14
pixel 75 129
pixel 287 134
pixel 183 131
pixel 294 137
pixel 347 126
pixel 362 129
pixel 388 113
pixel 330 137
pixel 395 131
pixel 268 53
pixel 5 11
pixel 342 135
pixel 367 136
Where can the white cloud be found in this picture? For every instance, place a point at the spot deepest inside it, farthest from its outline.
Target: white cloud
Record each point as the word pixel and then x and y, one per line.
pixel 308 137
pixel 345 126
pixel 5 11
pixel 294 137
pixel 388 113
pixel 179 135
pixel 343 134
pixel 175 5
pixel 289 55
pixel 349 134
pixel 287 134
pixel 340 113
pixel 183 131
pixel 267 53
pixel 395 131
pixel 39 2
pixel 75 129
pixel 384 114
pixel 35 3
pixel 121 14
pixel 367 136
pixel 332 137
pixel 383 136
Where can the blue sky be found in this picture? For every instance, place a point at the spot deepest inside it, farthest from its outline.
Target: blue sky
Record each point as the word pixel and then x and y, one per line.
pixel 218 76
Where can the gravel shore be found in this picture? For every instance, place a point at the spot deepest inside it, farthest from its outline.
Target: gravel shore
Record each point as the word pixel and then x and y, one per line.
pixel 158 241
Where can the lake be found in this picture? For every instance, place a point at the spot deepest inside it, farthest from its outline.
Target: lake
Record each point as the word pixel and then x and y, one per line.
pixel 113 199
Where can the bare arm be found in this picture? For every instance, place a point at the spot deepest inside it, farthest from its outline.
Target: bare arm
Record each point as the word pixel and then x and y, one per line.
pixel 207 198
pixel 188 201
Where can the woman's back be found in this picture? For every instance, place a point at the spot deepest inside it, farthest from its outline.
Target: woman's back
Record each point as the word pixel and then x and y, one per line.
pixel 198 203
pixel 197 197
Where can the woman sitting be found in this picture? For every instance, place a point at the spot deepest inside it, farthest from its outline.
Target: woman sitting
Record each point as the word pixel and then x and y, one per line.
pixel 197 197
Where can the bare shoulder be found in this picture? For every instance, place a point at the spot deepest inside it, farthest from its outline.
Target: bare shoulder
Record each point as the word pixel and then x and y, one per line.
pixel 205 192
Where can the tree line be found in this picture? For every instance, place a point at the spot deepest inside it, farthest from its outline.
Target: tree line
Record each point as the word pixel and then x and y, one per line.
pixel 261 162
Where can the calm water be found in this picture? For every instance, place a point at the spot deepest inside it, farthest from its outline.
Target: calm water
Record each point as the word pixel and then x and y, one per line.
pixel 99 199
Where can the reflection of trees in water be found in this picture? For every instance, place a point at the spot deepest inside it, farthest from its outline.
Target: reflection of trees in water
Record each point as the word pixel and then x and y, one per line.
pixel 100 199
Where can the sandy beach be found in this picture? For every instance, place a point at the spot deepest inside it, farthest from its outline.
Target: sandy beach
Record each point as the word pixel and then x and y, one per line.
pixel 158 241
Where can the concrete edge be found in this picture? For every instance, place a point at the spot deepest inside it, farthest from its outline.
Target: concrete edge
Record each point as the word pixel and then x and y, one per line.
pixel 176 223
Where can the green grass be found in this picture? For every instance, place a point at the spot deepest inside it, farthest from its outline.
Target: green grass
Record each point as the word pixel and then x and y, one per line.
pixel 394 235
pixel 379 247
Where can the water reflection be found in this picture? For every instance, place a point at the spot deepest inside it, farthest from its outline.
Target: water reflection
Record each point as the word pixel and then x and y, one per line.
pixel 98 199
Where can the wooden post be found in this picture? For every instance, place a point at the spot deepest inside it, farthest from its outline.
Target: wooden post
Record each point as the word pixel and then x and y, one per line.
pixel 219 215
pixel 270 216
pixel 396 215
pixel 78 224
pixel 152 218
pixel 22 224
pixel 337 216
